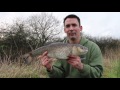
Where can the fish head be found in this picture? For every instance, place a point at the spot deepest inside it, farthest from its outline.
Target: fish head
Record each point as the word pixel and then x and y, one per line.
pixel 82 50
pixel 79 50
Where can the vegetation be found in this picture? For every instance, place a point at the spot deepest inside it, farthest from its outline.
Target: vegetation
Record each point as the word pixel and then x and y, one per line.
pixel 15 70
pixel 25 35
pixel 112 64
pixel 10 69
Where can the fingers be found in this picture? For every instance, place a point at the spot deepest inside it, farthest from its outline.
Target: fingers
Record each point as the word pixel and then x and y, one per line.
pixel 73 61
pixel 72 56
pixel 44 54
pixel 46 61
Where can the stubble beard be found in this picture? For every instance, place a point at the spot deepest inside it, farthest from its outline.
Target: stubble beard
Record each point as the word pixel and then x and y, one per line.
pixel 72 36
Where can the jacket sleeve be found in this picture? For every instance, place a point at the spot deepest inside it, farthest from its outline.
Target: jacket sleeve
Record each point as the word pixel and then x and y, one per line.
pixel 57 70
pixel 94 68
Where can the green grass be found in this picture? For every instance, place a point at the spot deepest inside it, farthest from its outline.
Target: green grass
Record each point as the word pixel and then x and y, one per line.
pixel 112 69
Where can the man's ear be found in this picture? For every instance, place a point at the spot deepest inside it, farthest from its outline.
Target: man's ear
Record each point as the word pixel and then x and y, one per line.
pixel 81 28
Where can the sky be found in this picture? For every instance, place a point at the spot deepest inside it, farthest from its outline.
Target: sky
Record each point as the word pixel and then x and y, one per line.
pixel 96 24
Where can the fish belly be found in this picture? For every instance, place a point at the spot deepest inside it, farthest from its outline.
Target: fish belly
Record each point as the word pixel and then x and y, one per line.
pixel 61 53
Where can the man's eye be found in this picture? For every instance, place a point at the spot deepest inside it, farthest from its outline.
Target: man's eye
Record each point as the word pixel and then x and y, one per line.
pixel 74 25
pixel 67 26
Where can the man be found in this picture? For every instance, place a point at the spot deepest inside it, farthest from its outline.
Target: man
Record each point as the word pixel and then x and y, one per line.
pixel 74 66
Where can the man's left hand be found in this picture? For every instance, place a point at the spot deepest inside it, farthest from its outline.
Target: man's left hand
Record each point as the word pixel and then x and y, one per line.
pixel 75 61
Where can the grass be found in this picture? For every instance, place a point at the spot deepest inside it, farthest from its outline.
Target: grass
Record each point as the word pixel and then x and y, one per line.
pixel 112 69
pixel 112 64
pixel 35 70
pixel 15 70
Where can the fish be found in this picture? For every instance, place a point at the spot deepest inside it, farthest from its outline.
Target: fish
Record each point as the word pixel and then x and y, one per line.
pixel 57 50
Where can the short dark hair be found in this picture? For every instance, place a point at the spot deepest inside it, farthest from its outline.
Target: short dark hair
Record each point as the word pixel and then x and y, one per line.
pixel 72 16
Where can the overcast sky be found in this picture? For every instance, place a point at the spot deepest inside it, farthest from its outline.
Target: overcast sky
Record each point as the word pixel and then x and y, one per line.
pixel 97 24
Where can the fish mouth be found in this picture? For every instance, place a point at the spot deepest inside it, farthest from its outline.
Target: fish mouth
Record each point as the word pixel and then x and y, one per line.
pixel 85 51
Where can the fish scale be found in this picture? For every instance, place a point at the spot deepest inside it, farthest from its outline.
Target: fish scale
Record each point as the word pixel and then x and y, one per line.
pixel 58 50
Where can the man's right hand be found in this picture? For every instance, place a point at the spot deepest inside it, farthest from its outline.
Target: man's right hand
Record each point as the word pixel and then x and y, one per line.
pixel 46 61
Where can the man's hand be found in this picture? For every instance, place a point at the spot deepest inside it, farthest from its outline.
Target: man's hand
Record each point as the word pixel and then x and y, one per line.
pixel 75 61
pixel 46 61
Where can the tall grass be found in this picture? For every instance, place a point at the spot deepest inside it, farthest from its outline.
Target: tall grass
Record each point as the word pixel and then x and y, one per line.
pixel 112 63
pixel 16 70
pixel 10 69
pixel 36 70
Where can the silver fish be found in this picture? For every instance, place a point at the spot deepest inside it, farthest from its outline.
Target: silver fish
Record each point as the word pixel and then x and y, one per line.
pixel 58 50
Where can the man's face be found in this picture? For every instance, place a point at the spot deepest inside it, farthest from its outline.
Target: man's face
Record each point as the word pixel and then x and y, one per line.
pixel 72 28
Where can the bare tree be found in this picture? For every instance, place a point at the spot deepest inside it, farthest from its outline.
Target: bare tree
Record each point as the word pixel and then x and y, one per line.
pixel 44 27
pixel 25 35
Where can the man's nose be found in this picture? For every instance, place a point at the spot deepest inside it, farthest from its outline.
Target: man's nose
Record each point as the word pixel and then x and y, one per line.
pixel 71 28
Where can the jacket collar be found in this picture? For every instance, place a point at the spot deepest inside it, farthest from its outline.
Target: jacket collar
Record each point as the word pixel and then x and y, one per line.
pixel 83 40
